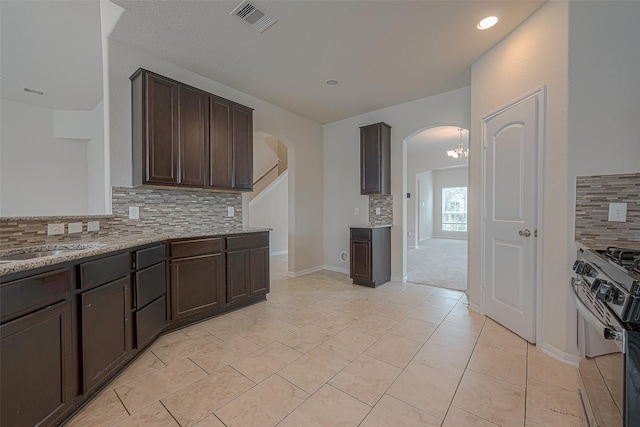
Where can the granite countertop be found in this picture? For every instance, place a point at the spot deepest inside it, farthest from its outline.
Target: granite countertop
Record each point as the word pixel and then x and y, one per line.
pixel 91 247
pixel 371 226
pixel 596 244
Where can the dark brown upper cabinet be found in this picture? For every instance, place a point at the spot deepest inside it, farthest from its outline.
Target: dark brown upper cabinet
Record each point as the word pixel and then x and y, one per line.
pixel 186 137
pixel 375 159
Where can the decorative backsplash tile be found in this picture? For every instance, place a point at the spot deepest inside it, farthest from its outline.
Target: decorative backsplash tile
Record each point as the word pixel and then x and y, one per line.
pixel 385 203
pixel 161 211
pixel 593 195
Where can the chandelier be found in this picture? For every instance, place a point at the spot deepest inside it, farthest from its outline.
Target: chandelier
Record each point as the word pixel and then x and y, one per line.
pixel 460 152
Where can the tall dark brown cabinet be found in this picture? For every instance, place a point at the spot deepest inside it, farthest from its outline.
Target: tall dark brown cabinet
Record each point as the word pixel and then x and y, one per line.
pixel 370 255
pixel 183 136
pixel 375 159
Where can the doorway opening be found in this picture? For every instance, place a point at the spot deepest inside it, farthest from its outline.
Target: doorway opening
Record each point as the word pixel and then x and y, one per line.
pixel 437 208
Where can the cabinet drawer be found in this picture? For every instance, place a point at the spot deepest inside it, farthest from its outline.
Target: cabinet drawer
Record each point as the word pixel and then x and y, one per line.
pixel 98 272
pixel 31 293
pixel 150 321
pixel 149 256
pixel 361 234
pixel 248 241
pixel 150 284
pixel 196 247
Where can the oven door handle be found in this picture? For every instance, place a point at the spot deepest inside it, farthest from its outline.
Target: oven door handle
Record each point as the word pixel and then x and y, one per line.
pixel 608 332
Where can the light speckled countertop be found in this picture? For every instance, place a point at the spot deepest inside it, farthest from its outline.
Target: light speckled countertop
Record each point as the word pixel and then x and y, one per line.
pixel 371 226
pixel 595 244
pixel 91 247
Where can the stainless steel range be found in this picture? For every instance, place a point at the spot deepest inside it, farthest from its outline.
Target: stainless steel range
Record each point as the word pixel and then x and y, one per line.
pixel 607 294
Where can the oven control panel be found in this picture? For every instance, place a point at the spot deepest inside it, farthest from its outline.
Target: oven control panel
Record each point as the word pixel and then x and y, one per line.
pixel 602 288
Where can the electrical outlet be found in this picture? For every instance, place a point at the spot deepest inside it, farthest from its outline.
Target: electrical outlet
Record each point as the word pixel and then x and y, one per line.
pixel 75 227
pixel 356 211
pixel 410 234
pixel 134 212
pixel 617 212
pixel 231 211
pixel 93 225
pixel 53 229
pixel 377 211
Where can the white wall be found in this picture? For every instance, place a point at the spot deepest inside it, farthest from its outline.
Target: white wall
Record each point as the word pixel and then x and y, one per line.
pixel 269 209
pixel 457 177
pixel 425 201
pixel 96 165
pixel 39 174
pixel 341 162
pixel 535 54
pixel 302 136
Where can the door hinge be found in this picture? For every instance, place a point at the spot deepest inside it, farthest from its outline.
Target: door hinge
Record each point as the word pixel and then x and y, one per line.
pixel 535 233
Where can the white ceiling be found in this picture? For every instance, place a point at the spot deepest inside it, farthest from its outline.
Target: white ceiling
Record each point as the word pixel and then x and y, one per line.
pixel 53 46
pixel 441 139
pixel 383 52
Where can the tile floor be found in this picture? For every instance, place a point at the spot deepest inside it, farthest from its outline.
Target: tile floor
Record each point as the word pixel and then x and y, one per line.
pixel 323 352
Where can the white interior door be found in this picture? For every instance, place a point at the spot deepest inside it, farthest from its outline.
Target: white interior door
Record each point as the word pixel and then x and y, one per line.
pixel 510 141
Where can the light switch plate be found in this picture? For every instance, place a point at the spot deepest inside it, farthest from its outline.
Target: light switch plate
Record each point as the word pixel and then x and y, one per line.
pixel 53 229
pixel 75 227
pixel 134 212
pixel 231 211
pixel 93 225
pixel 377 211
pixel 356 211
pixel 617 212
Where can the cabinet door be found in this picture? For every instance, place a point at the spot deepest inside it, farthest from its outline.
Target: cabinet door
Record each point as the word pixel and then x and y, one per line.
pixel 193 125
pixel 375 159
pixel 37 368
pixel 361 260
pixel 238 276
pixel 105 330
pixel 259 268
pixel 242 148
pixel 221 145
pixel 161 143
pixel 197 285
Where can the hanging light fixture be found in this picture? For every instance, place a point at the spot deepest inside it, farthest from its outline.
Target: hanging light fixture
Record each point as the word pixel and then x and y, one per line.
pixel 460 152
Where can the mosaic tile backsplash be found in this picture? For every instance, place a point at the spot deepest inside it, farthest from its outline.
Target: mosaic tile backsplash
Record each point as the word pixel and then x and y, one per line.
pixel 161 210
pixel 385 203
pixel 593 195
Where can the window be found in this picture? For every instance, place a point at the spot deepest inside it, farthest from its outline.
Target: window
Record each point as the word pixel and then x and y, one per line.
pixel 454 209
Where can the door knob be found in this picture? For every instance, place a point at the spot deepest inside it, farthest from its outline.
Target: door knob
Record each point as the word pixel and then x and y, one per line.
pixel 526 232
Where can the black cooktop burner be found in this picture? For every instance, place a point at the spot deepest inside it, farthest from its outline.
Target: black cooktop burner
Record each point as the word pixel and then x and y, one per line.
pixel 623 256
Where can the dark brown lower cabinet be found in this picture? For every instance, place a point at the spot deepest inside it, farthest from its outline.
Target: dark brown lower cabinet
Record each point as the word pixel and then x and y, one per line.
pixel 105 330
pixel 370 256
pixel 247 274
pixel 37 367
pixel 259 269
pixel 197 285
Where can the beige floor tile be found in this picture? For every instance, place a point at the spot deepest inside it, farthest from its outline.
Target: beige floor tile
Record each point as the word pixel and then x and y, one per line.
pixel 348 344
pixel 414 329
pixel 210 421
pixel 268 331
pixel 466 316
pixel 307 338
pixel 328 407
pixel 203 342
pixel 420 290
pixel 227 328
pixel 265 362
pixel 408 300
pixel 201 398
pixel 377 297
pixel 448 293
pixel 428 314
pixel 440 302
pixel 529 423
pixel 425 388
pixel 360 307
pixel 313 369
pixel 373 325
pixel 492 399
pixel 462 335
pixel 499 337
pixel 366 379
pixel 444 356
pixel 224 353
pixel 553 406
pixel 155 415
pixel 154 386
pixel 264 405
pixel 393 311
pixel 337 321
pixel 105 410
pixel 457 418
pixel 504 365
pixel 146 363
pixel 301 301
pixel 551 371
pixel 394 350
pixel 390 411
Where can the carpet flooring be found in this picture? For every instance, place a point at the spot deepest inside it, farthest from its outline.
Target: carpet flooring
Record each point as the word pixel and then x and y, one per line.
pixel 439 262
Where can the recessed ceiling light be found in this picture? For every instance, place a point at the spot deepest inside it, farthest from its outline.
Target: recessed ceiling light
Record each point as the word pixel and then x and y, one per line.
pixel 487 22
pixel 332 82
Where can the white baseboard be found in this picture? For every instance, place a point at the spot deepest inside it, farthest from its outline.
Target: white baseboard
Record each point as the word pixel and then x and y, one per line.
pixel 305 271
pixel 336 269
pixel 286 251
pixel 475 307
pixel 398 279
pixel 567 358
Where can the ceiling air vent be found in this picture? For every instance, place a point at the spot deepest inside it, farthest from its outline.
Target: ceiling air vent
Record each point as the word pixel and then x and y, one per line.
pixel 253 16
pixel 35 91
